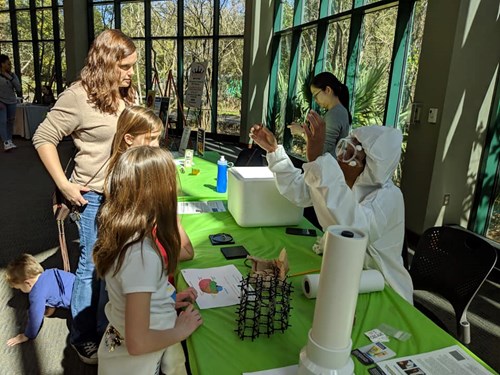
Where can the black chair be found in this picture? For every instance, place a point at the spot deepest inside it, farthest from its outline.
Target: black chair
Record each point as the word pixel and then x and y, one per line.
pixel 452 262
pixel 251 157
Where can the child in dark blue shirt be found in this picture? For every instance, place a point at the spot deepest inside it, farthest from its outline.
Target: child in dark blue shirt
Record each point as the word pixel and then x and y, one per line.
pixel 47 291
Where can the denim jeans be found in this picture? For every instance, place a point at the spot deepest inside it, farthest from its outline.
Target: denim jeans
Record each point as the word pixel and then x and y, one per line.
pixel 7 117
pixel 89 296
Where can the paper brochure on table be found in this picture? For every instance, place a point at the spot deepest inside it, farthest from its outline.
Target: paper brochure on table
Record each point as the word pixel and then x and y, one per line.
pixel 451 360
pixel 290 370
pixel 216 286
pixel 200 207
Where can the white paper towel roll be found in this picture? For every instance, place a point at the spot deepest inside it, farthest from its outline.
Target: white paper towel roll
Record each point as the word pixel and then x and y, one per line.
pixel 338 286
pixel 370 281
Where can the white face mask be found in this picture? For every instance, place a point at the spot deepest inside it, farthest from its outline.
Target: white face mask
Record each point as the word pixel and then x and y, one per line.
pixel 348 152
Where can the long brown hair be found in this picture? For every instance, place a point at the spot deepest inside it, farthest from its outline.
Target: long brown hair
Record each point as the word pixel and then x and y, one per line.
pixel 135 121
pixel 142 195
pixel 99 76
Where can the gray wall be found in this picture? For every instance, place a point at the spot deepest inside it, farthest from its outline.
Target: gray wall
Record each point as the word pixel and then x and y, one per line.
pixel 76 37
pixel 257 63
pixel 458 71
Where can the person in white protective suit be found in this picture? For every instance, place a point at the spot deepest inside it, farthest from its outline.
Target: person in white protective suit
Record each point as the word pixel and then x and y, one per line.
pixel 355 190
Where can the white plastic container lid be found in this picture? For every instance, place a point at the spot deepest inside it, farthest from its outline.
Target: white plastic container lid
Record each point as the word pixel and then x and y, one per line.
pixel 252 173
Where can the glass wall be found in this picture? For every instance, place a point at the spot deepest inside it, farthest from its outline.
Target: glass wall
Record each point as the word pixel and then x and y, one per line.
pixel 171 35
pixel 33 38
pixel 361 43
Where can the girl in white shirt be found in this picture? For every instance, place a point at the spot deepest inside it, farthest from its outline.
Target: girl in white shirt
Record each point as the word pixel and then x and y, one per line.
pixel 137 220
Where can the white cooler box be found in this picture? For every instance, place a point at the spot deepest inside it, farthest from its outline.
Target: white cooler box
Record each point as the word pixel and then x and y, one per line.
pixel 254 200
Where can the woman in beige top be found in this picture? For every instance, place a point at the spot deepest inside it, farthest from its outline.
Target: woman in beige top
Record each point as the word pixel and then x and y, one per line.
pixel 88 111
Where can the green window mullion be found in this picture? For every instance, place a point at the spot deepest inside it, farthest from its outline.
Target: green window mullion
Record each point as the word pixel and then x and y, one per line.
pixel 275 63
pixel 489 173
pixel 180 66
pixel 148 46
pixel 353 51
pixel 215 67
pixel 399 57
pixel 294 67
pixel 57 45
pixel 36 51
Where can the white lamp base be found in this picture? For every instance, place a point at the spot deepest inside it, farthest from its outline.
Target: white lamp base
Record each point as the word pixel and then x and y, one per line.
pixel 318 360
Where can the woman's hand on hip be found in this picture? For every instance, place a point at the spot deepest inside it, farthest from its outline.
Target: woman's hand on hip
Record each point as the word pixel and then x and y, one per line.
pixel 73 193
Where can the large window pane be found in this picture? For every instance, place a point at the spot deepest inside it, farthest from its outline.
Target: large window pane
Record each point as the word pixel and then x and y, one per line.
pixel 140 68
pixel 6 49
pixel 23 25
pixel 232 17
pixel 199 50
pixel 493 231
pixel 47 63
pixel 164 18
pixel 311 10
pixel 373 67
pixel 198 17
pixel 28 74
pixel 104 18
pixel 22 4
pixel 61 23
pixel 280 100
pixel 410 78
pixel 5 31
pixel 43 3
pixel 287 14
pixel 229 86
pixel 164 59
pixel 63 67
pixel 133 19
pixel 336 54
pixel 44 24
pixel 338 6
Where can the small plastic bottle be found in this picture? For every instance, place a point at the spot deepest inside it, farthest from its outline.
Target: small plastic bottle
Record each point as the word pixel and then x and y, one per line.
pixel 221 175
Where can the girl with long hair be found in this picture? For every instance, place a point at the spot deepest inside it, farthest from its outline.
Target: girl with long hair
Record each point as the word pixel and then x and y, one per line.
pixel 88 111
pixel 139 126
pixel 137 220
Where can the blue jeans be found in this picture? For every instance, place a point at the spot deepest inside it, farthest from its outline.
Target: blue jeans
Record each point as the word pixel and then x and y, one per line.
pixel 7 117
pixel 89 296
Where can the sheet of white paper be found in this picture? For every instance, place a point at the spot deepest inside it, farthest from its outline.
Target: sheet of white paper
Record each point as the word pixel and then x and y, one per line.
pixel 216 286
pixel 450 360
pixel 290 370
pixel 200 207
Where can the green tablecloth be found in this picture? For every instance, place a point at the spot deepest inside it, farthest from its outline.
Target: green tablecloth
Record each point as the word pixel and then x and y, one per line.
pixel 200 187
pixel 215 347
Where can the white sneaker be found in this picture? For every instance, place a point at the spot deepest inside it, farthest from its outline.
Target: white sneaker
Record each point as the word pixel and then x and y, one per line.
pixel 8 146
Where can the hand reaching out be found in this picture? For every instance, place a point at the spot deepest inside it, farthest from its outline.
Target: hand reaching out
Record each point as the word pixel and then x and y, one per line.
pixel 19 339
pixel 296 128
pixel 185 298
pixel 188 321
pixel 264 138
pixel 315 135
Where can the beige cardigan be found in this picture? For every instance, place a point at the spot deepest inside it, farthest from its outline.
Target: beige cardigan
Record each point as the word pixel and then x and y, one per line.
pixel 91 130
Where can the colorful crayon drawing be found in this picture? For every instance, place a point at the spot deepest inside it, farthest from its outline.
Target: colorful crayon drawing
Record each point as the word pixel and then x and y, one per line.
pixel 209 286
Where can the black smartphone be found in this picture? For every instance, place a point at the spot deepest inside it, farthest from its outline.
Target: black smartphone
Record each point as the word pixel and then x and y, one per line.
pixel 301 232
pixel 221 239
pixel 234 252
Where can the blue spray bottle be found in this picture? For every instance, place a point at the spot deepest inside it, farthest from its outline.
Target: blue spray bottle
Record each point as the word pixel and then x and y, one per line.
pixel 221 175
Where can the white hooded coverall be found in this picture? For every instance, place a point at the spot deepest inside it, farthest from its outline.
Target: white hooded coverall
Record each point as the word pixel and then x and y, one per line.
pixel 374 204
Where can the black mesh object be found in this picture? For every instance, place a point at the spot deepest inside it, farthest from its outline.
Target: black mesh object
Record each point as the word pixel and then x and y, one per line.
pixel 452 262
